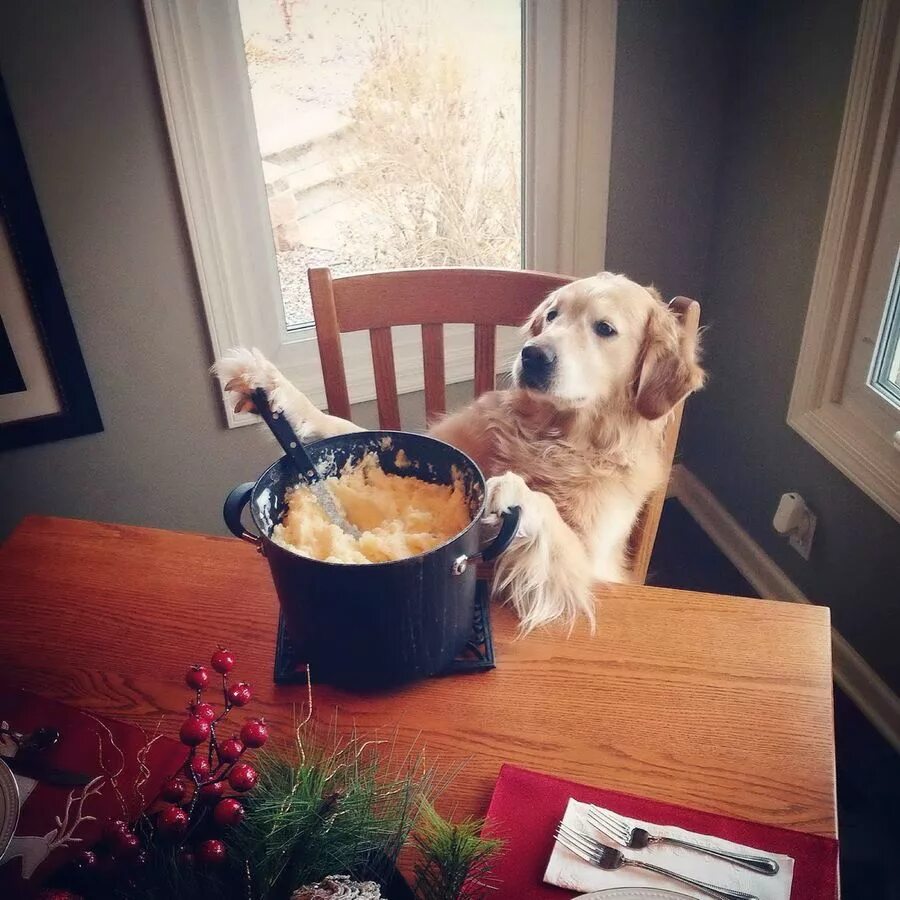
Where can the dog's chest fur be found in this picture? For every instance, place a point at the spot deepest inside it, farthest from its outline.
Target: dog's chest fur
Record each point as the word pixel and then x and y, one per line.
pixel 597 476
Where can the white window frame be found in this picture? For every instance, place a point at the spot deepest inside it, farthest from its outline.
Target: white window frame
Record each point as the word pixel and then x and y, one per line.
pixel 832 405
pixel 569 62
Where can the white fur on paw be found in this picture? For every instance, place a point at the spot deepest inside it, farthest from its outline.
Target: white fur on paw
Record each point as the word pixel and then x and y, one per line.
pixel 242 371
pixel 307 433
pixel 506 491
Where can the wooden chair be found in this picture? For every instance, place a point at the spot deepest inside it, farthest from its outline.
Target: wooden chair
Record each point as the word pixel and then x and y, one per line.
pixel 432 298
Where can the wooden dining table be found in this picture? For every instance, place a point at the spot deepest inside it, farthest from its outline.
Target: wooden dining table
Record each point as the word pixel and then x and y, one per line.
pixel 719 703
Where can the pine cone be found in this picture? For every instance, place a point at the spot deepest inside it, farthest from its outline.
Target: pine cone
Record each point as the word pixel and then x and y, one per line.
pixel 339 887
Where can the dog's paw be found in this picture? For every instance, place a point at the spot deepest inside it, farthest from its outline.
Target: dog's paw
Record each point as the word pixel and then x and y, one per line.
pixel 504 492
pixel 243 371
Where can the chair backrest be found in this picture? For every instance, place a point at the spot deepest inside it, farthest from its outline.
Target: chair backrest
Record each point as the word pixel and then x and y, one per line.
pixel 431 298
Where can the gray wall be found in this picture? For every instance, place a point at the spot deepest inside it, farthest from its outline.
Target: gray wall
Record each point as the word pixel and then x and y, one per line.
pixel 83 91
pixel 784 122
pixel 673 70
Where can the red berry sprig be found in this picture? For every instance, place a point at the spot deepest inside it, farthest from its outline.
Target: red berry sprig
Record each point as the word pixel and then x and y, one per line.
pixel 119 851
pixel 197 792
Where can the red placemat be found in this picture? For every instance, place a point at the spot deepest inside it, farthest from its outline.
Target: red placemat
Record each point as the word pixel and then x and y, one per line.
pixel 526 807
pixel 126 775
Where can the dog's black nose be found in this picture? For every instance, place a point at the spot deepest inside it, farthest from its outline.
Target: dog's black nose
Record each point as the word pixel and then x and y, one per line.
pixel 537 366
pixel 536 358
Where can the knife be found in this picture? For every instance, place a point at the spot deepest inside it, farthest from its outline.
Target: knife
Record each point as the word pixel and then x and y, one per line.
pixel 31 768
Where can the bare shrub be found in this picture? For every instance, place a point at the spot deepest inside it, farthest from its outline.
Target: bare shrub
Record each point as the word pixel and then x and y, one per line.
pixel 435 159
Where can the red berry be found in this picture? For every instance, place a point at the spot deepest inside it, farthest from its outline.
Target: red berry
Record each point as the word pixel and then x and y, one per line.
pixel 203 711
pixel 175 789
pixel 239 694
pixel 86 860
pixel 254 733
pixel 242 777
pixel 222 661
pixel 211 853
pixel 127 845
pixel 212 791
pixel 172 822
pixel 197 677
pixel 57 894
pixel 228 813
pixel 199 765
pixel 230 751
pixel 194 731
pixel 113 829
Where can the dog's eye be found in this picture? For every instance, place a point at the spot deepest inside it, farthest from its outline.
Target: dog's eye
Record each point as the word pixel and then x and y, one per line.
pixel 604 329
pixel 551 314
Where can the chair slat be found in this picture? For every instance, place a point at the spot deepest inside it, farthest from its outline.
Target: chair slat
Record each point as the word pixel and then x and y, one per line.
pixel 385 378
pixel 328 335
pixel 433 360
pixel 434 296
pixel 485 358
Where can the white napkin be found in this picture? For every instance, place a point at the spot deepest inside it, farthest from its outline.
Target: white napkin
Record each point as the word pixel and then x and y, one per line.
pixel 566 870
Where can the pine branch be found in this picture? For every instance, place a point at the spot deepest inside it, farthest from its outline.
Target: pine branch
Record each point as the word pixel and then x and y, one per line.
pixel 456 862
pixel 335 808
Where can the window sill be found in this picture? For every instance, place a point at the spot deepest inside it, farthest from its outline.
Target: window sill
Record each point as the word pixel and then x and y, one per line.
pixel 849 441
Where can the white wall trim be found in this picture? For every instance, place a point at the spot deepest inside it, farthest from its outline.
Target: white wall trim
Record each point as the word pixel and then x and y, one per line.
pixel 211 147
pixel 854 675
pixel 842 429
pixel 570 59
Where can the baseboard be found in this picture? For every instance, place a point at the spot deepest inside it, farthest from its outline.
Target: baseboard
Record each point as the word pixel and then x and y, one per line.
pixel 854 675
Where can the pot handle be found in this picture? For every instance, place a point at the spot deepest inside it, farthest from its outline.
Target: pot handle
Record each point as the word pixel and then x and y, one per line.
pixel 231 512
pixel 504 537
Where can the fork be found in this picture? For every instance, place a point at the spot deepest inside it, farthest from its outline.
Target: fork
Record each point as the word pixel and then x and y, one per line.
pixel 638 838
pixel 609 858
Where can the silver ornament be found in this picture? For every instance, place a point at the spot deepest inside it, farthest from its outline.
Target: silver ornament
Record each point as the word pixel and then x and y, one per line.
pixel 339 887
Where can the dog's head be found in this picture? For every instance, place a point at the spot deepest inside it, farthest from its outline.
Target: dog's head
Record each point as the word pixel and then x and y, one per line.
pixel 607 339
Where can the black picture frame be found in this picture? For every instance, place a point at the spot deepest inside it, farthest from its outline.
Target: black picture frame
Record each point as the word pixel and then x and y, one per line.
pixel 20 217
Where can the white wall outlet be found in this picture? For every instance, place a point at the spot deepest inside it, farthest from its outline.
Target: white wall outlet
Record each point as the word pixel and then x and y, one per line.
pixel 796 520
pixel 801 539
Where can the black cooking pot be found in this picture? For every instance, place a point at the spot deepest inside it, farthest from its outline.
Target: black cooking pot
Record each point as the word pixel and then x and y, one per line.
pixel 373 624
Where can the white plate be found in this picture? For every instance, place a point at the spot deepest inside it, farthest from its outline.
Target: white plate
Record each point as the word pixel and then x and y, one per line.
pixel 633 894
pixel 9 806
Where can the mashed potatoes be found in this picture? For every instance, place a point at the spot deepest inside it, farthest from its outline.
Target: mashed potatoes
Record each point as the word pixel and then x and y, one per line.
pixel 399 516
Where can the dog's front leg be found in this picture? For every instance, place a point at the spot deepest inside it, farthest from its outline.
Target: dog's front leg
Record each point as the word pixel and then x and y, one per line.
pixel 242 371
pixel 546 573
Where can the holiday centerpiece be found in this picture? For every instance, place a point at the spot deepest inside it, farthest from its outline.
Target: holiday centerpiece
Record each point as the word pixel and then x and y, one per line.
pixel 327 816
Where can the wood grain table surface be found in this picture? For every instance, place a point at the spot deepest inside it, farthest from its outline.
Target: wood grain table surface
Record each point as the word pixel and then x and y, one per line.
pixel 719 703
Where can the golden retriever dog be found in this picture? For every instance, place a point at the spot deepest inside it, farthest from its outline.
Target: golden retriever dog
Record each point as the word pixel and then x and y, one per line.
pixel 576 442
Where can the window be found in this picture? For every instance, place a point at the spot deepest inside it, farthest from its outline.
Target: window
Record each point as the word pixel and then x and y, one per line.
pixel 390 134
pixel 886 358
pixel 363 135
pixel 846 397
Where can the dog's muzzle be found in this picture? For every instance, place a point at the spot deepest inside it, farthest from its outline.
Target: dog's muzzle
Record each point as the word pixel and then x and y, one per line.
pixel 538 364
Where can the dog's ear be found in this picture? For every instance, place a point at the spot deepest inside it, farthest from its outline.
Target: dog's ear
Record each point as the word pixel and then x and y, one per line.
pixel 535 322
pixel 668 369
